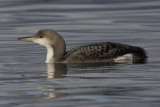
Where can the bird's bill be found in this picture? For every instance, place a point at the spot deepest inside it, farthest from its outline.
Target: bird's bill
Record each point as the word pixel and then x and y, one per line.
pixel 30 38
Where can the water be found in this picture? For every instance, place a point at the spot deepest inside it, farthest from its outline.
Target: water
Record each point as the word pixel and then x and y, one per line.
pixel 26 81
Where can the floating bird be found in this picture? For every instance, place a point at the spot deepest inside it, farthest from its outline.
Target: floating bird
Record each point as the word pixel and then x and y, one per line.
pixel 104 52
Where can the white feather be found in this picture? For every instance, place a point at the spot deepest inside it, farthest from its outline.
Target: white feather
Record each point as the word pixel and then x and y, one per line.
pixel 128 58
pixel 50 51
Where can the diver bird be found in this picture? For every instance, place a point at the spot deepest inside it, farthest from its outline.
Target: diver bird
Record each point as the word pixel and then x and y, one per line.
pixel 104 52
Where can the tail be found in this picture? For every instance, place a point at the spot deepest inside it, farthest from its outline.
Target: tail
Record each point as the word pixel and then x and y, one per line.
pixel 139 55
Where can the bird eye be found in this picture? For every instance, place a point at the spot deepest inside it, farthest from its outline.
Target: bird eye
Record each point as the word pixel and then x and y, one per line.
pixel 40 36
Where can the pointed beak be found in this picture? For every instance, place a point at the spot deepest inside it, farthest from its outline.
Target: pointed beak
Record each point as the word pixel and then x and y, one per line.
pixel 30 38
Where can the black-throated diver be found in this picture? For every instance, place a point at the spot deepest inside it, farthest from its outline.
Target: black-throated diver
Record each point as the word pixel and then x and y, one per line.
pixel 104 52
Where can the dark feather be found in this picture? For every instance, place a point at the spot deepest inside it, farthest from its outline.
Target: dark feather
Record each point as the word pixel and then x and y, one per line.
pixel 103 52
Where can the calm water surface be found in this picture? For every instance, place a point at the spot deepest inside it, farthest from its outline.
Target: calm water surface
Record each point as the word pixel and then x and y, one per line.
pixel 26 81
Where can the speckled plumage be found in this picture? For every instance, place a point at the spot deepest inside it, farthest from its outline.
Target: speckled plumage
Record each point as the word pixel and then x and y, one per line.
pixel 103 52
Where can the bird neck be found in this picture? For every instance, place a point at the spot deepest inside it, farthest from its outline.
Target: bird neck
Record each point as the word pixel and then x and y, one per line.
pixel 50 55
pixel 55 52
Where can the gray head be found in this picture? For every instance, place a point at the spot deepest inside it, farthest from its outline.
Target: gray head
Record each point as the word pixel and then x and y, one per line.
pixel 43 37
pixel 52 41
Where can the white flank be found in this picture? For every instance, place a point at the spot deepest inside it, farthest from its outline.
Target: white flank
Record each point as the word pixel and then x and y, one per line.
pixel 127 58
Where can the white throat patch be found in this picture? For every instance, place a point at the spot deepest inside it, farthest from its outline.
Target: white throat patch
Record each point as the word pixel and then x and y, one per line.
pixel 50 50
pixel 41 41
pixel 50 55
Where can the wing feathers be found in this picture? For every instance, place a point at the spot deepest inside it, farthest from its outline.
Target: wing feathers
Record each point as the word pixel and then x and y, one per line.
pixel 100 52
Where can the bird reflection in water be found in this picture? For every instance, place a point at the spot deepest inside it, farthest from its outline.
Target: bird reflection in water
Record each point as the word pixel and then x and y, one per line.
pixel 54 89
pixel 56 70
pixel 53 71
